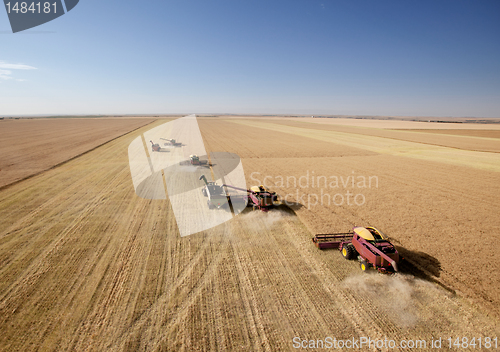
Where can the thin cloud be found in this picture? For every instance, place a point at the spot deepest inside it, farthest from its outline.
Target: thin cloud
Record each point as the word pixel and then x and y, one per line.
pixel 6 73
pixel 16 66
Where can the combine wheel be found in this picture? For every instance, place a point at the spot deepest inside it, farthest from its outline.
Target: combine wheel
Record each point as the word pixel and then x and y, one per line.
pixel 204 191
pixel 364 266
pixel 210 205
pixel 348 252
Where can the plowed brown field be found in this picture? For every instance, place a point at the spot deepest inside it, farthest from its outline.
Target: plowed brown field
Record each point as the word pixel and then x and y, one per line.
pixel 87 265
pixel 30 146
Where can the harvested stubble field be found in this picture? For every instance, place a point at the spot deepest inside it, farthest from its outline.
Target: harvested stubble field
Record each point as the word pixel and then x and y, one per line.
pixel 87 265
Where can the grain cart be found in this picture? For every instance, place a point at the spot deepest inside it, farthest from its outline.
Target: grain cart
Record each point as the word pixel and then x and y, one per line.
pixel 369 245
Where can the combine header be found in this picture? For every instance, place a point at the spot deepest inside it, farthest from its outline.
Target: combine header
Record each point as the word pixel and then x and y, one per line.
pixel 369 245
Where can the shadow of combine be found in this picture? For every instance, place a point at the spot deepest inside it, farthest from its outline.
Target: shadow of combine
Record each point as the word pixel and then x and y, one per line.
pixel 290 207
pixel 206 166
pixel 422 260
pixel 287 209
pixel 422 266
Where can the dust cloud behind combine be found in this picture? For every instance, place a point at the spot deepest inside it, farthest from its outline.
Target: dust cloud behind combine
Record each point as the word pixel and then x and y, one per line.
pixel 261 222
pixel 399 296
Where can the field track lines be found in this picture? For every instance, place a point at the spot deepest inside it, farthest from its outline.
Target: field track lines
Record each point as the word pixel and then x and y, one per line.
pixel 88 265
pixel 63 240
pixel 252 314
pixel 51 210
pixel 41 263
pixel 190 297
pixel 118 271
pixel 162 302
pixel 118 283
pixel 295 278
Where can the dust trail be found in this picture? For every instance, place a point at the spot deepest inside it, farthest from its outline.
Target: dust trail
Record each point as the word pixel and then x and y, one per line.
pixel 399 296
pixel 187 168
pixel 261 221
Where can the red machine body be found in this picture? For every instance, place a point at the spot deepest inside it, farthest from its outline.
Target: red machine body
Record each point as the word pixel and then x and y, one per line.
pixel 369 245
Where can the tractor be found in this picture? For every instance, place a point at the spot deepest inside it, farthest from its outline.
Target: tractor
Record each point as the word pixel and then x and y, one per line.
pixel 217 196
pixel 369 245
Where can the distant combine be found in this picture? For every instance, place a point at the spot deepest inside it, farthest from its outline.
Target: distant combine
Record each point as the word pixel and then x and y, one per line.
pixel 171 142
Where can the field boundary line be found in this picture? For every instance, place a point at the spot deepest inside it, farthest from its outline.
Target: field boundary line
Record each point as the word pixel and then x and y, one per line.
pixel 72 158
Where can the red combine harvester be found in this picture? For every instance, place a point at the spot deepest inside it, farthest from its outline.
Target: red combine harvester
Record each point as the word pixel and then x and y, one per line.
pixel 369 245
pixel 259 197
pixel 195 160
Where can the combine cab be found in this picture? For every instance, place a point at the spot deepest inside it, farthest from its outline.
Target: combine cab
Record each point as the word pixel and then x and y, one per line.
pixel 369 245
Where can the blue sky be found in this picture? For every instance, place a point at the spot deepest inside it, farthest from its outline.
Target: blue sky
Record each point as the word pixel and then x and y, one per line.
pixel 375 57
